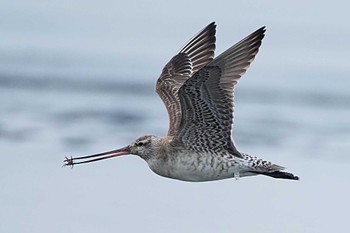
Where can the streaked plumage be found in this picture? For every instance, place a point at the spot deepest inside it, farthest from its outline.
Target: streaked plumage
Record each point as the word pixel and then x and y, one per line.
pixel 197 91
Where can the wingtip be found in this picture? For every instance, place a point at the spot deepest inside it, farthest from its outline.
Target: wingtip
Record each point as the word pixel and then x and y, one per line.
pixel 210 26
pixel 212 23
pixel 261 30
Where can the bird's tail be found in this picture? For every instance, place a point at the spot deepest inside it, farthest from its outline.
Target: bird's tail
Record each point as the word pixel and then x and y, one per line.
pixel 279 175
pixel 261 167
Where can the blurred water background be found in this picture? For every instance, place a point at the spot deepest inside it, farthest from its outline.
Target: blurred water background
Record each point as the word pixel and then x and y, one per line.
pixel 77 77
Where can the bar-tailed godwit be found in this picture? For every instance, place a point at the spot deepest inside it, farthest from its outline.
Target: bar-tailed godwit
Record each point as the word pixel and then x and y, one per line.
pixel 197 91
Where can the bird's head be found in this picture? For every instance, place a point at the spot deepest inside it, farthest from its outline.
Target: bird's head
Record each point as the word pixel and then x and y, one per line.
pixel 145 146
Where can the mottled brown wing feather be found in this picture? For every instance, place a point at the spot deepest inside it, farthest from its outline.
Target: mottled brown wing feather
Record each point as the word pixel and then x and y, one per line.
pixel 207 98
pixel 198 52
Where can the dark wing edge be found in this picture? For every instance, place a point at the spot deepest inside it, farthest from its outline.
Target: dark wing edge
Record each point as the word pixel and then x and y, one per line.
pixel 198 52
pixel 235 61
pixel 207 98
pixel 201 47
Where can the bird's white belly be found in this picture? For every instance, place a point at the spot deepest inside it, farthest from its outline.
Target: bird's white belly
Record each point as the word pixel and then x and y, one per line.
pixel 197 168
pixel 188 173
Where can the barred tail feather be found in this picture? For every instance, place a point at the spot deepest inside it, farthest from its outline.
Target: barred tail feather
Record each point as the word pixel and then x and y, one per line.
pixel 279 175
pixel 262 167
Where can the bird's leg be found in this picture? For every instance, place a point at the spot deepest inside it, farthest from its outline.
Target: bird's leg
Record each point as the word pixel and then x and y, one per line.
pixel 236 175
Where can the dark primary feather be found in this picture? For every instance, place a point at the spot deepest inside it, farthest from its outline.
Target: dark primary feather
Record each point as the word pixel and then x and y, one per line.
pixel 198 52
pixel 207 98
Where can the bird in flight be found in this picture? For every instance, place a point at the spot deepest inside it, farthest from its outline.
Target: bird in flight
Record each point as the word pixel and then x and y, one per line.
pixel 197 90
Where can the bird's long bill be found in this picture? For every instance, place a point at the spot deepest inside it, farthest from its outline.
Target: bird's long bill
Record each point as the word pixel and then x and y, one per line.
pixel 96 157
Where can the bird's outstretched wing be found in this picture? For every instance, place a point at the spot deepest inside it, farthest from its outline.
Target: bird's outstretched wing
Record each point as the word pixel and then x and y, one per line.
pixel 207 98
pixel 197 53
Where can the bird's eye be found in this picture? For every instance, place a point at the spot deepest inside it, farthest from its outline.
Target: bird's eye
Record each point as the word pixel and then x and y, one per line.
pixel 139 144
